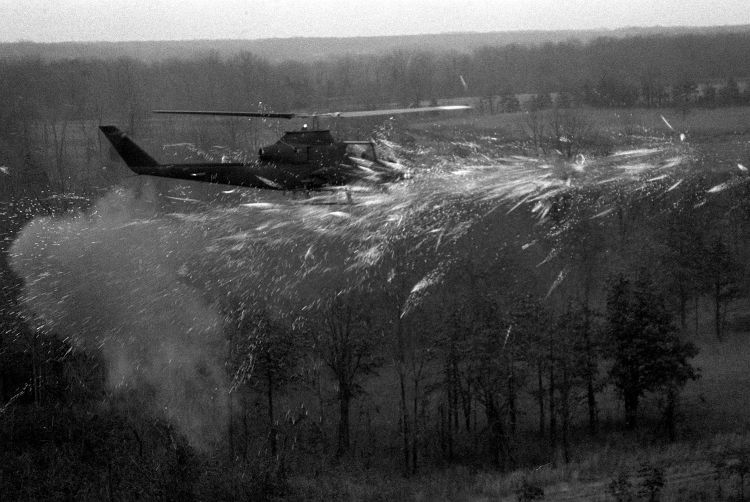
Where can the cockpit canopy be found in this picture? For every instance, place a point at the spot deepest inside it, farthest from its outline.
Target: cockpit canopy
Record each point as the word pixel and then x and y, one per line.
pixel 302 147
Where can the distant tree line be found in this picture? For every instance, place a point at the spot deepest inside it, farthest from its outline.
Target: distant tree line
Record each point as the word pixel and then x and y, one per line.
pixel 644 71
pixel 313 49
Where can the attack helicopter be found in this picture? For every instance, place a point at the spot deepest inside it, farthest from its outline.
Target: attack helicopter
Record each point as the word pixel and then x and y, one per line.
pixel 306 159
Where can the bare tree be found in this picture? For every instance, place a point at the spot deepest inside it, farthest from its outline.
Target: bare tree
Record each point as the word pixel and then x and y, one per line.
pixel 346 342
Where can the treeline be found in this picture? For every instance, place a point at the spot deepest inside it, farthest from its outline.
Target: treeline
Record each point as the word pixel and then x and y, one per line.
pixel 649 71
pixel 314 49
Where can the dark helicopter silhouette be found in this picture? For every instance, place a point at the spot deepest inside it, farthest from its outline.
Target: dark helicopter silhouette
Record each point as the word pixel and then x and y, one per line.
pixel 304 159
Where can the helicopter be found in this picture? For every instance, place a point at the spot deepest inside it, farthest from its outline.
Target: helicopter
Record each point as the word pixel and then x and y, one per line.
pixel 306 159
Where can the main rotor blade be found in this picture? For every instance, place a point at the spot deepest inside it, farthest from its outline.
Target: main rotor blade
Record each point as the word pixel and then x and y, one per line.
pixel 229 114
pixel 361 113
pixel 394 111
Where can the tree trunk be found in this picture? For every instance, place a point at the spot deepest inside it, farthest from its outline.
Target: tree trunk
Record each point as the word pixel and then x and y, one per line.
pixel 669 412
pixel 448 409
pixel 552 411
pixel 591 363
pixel 540 397
pixel 512 398
pixel 631 409
pixel 495 427
pixel 415 427
pixel 456 394
pixel 245 430
pixel 466 406
pixel 271 424
pixel 717 309
pixel 683 307
pixel 442 429
pixel 450 432
pixel 230 426
pixel 404 419
pixel 35 371
pixel 565 411
pixel 343 435
pixel 695 305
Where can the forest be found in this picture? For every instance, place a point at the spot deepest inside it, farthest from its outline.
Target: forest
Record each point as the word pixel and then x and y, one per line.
pixel 557 295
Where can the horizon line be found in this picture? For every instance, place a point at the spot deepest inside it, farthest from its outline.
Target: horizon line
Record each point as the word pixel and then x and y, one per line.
pixel 745 26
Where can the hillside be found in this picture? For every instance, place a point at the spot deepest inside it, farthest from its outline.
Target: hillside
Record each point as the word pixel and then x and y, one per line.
pixel 311 49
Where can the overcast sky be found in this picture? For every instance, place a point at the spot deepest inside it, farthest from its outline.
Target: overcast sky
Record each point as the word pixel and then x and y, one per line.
pixel 65 20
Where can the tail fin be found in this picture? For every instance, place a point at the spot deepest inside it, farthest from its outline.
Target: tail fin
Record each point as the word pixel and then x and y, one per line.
pixel 133 155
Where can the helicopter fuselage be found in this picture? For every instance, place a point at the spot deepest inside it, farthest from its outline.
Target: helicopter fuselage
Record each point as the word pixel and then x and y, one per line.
pixel 306 159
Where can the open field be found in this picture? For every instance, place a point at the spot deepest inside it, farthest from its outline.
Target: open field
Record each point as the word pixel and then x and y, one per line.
pixel 698 122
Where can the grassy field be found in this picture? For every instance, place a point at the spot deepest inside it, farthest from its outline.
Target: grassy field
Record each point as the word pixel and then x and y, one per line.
pixel 620 122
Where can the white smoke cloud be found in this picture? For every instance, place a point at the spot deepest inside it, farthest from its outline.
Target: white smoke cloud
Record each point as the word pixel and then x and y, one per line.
pixel 108 281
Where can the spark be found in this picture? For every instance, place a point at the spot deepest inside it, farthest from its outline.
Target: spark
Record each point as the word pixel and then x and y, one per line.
pixel 268 182
pixel 463 83
pixel 507 335
pixel 719 188
pixel 635 152
pixel 552 254
pixel 184 199
pixel 560 278
pixel 603 213
pixel 339 214
pixel 419 289
pixel 259 205
pixel 679 182
pixel 580 162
